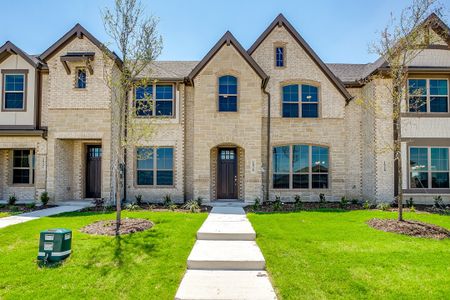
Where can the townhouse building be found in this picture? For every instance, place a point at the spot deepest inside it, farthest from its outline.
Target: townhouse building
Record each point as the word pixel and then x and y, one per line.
pixel 272 120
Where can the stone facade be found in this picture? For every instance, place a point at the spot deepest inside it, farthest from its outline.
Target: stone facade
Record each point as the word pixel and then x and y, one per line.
pixel 354 123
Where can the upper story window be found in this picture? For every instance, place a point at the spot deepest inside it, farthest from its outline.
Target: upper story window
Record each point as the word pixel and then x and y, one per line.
pixel 14 91
pixel 227 93
pixel 155 166
pixel 300 101
pixel 155 100
pixel 428 95
pixel 81 79
pixel 23 167
pixel 429 167
pixel 279 57
pixel 300 167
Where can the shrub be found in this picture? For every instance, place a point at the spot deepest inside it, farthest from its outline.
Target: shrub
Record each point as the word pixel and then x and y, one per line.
pixel 383 206
pixel 192 206
pixel 44 198
pixel 172 207
pixel 322 198
pixel 438 202
pixel 257 204
pixel 277 205
pixel 167 201
pixel 99 202
pixel 344 202
pixel 355 201
pixel 298 204
pixel 412 209
pixel 12 199
pixel 199 201
pixel 410 202
pixel 30 205
pixel 138 199
pixel 14 208
pixel 366 205
pixel 132 206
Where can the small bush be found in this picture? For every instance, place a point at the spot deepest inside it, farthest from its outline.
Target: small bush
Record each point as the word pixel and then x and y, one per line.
pixel 14 208
pixel 44 198
pixel 366 205
pixel 409 202
pixel 344 202
pixel 322 198
pixel 192 206
pixel 199 201
pixel 383 206
pixel 12 199
pixel 412 209
pixel 138 199
pixel 298 204
pixel 30 205
pixel 355 201
pixel 99 202
pixel 167 201
pixel 438 202
pixel 277 204
pixel 173 207
pixel 132 206
pixel 257 204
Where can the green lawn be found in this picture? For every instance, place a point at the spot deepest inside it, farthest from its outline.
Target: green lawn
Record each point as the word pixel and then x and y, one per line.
pixel 146 265
pixel 323 255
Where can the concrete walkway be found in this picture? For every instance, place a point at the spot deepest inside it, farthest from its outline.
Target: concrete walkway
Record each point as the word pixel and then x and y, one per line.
pixel 226 262
pixel 8 221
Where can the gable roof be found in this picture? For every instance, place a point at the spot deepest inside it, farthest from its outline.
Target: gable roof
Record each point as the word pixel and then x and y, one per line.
pixel 280 20
pixel 228 39
pixel 9 48
pixel 77 31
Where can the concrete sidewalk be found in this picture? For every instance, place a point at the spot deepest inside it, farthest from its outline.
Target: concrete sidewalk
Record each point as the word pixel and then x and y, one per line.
pixel 8 221
pixel 226 262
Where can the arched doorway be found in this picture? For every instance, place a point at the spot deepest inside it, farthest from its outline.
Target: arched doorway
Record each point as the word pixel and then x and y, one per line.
pixel 227 172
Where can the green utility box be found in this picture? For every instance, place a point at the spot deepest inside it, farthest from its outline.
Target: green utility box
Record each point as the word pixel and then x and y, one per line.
pixel 55 244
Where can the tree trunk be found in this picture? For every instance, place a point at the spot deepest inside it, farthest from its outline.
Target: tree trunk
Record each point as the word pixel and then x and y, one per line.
pixel 118 205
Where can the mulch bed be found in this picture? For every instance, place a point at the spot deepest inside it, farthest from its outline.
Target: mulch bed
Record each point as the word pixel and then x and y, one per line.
pixel 145 206
pixel 108 227
pixel 22 208
pixel 290 207
pixel 409 227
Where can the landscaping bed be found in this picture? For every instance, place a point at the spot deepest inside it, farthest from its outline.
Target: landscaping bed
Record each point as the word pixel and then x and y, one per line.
pixel 8 210
pixel 410 227
pixel 108 227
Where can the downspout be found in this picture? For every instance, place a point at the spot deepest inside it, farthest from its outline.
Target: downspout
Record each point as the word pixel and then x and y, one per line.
pixel 268 138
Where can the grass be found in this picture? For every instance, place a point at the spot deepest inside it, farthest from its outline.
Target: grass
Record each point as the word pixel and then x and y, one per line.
pixel 334 254
pixel 4 214
pixel 145 265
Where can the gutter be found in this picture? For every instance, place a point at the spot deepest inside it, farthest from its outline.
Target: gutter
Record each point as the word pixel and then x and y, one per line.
pixel 264 85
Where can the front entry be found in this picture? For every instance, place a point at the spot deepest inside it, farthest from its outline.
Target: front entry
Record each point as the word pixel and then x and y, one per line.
pixel 93 171
pixel 227 174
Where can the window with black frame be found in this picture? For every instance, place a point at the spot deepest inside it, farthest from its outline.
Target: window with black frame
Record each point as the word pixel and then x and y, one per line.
pixel 23 166
pixel 228 93
pixel 300 101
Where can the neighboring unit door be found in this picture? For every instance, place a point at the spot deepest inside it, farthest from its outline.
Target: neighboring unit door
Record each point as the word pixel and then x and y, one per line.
pixel 93 171
pixel 227 174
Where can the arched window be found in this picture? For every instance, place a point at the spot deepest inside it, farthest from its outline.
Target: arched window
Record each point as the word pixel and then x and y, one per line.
pixel 300 101
pixel 227 93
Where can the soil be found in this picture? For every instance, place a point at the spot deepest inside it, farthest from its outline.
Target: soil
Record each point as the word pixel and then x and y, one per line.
pixel 290 207
pixel 150 207
pixel 108 227
pixel 22 208
pixel 409 227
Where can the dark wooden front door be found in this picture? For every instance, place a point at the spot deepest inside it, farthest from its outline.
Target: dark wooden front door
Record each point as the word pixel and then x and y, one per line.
pixel 93 171
pixel 227 174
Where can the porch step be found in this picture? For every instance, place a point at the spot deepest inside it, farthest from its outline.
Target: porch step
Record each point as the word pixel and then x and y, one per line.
pixel 226 230
pixel 226 255
pixel 201 284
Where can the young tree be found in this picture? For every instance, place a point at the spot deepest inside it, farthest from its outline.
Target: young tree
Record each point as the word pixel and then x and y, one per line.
pixel 401 41
pixel 136 37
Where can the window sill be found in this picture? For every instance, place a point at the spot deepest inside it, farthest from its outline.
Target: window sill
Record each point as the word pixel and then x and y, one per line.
pixel 13 110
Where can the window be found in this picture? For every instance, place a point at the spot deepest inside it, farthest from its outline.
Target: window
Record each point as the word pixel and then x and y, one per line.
pixel 14 92
pixel 158 104
pixel 279 57
pixel 154 166
pixel 429 167
pixel 300 101
pixel 23 167
pixel 227 93
pixel 81 79
pixel 300 167
pixel 428 95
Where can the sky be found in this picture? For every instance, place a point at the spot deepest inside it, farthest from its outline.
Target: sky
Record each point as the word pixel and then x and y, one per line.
pixel 339 31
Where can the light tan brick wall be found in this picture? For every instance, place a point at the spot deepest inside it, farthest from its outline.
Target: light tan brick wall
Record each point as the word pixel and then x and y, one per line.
pixel 207 128
pixel 328 130
pixel 44 99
